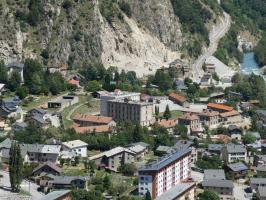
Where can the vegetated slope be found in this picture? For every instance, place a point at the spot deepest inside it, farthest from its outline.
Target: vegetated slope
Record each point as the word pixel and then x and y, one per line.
pixel 248 15
pixel 125 33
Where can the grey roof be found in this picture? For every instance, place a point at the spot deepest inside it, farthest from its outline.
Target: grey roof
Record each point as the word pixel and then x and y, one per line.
pixel 214 174
pixel 261 157
pixel 38 118
pixel 55 195
pixel 261 168
pixel 6 143
pixel 49 164
pixel 182 144
pixel 215 147
pixel 10 104
pixel 233 127
pixel 234 148
pixel 237 166
pixel 262 191
pixel 218 183
pixel 163 148
pixel 38 110
pixel 137 148
pixel 176 191
pixel 258 180
pixel 165 160
pixel 21 124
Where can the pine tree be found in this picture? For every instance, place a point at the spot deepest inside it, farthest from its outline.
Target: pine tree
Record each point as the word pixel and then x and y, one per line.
pixel 157 112
pixel 15 167
pixel 167 113
pixel 138 133
pixel 148 195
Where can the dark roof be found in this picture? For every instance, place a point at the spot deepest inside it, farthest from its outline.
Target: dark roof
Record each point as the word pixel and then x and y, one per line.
pixel 261 168
pixel 214 174
pixel 10 104
pixel 218 183
pixel 237 166
pixel 215 147
pixel 165 160
pixel 233 128
pixel 38 118
pixel 258 180
pixel 55 195
pixel 49 164
pixel 234 148
pixel 182 144
pixel 38 110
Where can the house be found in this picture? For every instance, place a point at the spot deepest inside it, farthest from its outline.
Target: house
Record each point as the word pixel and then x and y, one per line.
pixel 237 170
pixel 206 79
pixel 232 94
pixel 231 117
pixel 235 132
pixel 192 122
pixel 245 106
pixel 113 159
pixel 92 120
pixel 181 191
pixel 2 88
pixel 219 108
pixel 38 117
pixel 140 149
pixel 92 129
pixel 232 153
pixel 168 124
pixel 164 174
pixel 178 99
pixel 214 174
pixel 261 193
pixel 209 118
pixel 9 106
pixel 261 170
pixel 58 195
pixel 221 138
pixel 63 102
pixel 180 85
pixel 76 146
pixel 225 188
pixel 64 182
pixel 215 148
pixel 255 183
pixel 47 167
pixel 16 67
pixel 17 126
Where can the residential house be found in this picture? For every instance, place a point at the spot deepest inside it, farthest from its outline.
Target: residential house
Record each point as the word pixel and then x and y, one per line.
pixel 47 167
pixel 160 176
pixel 261 193
pixel 180 85
pixel 235 132
pixel 232 153
pixel 168 124
pixel 221 138
pixel 214 174
pixel 58 195
pixel 215 148
pixel 9 107
pixel 140 149
pixel 206 80
pixel 74 82
pixel 219 108
pixel 178 99
pixel 92 120
pixel 261 170
pixel 113 159
pixel 237 170
pixel 225 188
pixel 245 106
pixel 233 94
pixel 76 146
pixel 192 122
pixel 255 183
pixel 231 117
pixel 92 129
pixel 209 118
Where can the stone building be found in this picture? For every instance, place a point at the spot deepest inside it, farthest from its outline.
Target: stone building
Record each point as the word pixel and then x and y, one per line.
pixel 209 118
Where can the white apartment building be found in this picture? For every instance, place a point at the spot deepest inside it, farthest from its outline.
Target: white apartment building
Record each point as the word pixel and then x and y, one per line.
pixel 116 95
pixel 76 146
pixel 232 153
pixel 165 173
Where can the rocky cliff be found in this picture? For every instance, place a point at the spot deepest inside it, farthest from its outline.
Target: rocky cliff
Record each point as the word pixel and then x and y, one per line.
pixel 131 34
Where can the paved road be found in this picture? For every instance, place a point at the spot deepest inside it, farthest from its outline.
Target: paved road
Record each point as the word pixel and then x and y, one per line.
pixel 5 192
pixel 215 35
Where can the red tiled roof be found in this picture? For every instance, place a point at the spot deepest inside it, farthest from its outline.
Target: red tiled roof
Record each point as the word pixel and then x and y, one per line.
pixel 189 116
pixel 91 129
pixel 92 118
pixel 168 123
pixel 73 82
pixel 230 113
pixel 208 112
pixel 219 106
pixel 177 97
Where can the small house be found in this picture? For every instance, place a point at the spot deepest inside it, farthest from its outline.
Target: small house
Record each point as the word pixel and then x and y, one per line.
pixel 237 170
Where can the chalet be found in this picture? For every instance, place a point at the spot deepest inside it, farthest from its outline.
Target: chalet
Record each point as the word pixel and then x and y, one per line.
pixel 225 188
pixel 192 122
pixel 261 170
pixel 232 153
pixel 219 108
pixel 235 132
pixel 178 99
pixel 237 170
pixel 76 146
pixel 168 124
pixel 231 117
pixel 209 118
pixel 47 167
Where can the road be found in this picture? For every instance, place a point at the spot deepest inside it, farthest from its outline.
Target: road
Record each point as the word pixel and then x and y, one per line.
pixel 5 192
pixel 215 35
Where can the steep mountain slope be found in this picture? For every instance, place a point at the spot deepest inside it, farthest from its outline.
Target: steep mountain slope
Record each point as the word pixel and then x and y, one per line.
pixel 124 33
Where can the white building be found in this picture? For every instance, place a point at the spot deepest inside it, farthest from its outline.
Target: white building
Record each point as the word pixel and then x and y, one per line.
pixel 232 153
pixel 165 173
pixel 116 95
pixel 76 146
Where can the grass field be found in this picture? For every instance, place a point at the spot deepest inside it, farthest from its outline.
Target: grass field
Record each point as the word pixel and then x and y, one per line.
pixel 175 114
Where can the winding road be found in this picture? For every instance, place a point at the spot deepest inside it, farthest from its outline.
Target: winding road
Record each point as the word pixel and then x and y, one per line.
pixel 217 32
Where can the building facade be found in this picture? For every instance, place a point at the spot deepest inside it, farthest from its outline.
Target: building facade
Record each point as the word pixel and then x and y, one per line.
pixel 233 153
pixel 209 118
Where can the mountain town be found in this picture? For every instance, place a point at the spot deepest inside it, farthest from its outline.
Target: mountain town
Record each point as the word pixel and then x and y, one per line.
pixel 133 100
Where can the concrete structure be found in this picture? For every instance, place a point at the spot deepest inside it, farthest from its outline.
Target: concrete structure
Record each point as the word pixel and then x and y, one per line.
pixel 134 111
pixel 76 146
pixel 58 195
pixel 63 102
pixel 116 95
pixel 237 170
pixel 232 153
pixel 219 108
pixel 231 117
pixel 192 122
pixel 214 174
pixel 209 118
pixel 113 159
pixel 164 174
pixel 180 100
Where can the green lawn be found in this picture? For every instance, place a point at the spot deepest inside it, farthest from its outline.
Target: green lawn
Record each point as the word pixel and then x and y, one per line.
pixel 175 114
pixel 74 170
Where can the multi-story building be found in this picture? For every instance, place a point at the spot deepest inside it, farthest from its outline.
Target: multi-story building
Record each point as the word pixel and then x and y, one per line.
pixel 116 95
pixel 209 118
pixel 76 146
pixel 191 121
pixel 164 174
pixel 134 111
pixel 225 188
pixel 232 153
pixel 220 108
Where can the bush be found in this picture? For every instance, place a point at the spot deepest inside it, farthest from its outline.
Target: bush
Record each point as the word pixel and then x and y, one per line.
pixel 67 4
pixel 124 6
